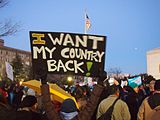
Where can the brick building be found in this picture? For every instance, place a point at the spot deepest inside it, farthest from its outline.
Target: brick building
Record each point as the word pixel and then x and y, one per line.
pixel 7 54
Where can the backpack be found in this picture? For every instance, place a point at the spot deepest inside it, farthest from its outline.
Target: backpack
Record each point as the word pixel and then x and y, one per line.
pixel 108 114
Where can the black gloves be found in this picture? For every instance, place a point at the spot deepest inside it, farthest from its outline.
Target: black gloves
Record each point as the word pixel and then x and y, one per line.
pixel 41 75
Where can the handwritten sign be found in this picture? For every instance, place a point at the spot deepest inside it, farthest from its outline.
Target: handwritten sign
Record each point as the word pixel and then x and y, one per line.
pixel 56 52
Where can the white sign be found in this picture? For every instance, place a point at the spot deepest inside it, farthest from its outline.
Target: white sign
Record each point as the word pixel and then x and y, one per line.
pixel 9 71
pixel 124 83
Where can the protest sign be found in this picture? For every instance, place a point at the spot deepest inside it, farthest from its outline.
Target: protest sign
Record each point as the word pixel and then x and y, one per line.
pixel 61 53
pixel 9 71
pixel 124 83
pixel 136 80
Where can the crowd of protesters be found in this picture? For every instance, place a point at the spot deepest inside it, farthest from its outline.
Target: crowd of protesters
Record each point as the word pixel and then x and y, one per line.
pixel 133 102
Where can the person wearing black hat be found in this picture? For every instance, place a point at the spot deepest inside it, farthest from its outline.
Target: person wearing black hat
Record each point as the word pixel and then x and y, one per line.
pixel 150 107
pixel 29 101
pixel 68 109
pixel 27 110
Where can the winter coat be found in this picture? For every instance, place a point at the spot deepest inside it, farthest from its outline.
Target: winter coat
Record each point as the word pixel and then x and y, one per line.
pixel 150 108
pixel 4 110
pixel 133 102
pixel 120 111
pixel 87 112
pixel 26 114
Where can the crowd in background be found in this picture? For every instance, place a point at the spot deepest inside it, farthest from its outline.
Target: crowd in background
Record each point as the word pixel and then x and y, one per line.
pixel 135 102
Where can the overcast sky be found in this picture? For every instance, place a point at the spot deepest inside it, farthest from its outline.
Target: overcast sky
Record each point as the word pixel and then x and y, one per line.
pixel 132 27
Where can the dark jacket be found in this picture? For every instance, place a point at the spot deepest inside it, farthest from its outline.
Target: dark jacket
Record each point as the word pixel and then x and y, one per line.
pixel 86 114
pixel 25 115
pixel 154 100
pixel 133 102
pixel 4 110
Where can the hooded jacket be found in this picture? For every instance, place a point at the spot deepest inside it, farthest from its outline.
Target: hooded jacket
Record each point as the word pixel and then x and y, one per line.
pixel 150 108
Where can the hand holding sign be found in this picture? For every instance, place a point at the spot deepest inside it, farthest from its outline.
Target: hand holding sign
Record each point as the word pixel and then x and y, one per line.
pixel 103 79
pixel 42 74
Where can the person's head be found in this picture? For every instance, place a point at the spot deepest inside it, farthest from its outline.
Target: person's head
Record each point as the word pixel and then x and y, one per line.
pixel 151 85
pixel 141 87
pixel 157 85
pixel 29 101
pixel 68 106
pixel 114 90
pixel 68 109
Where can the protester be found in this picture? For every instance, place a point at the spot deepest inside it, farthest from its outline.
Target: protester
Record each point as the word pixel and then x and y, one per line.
pixel 120 111
pixel 80 94
pixel 11 93
pixel 133 100
pixel 87 112
pixel 142 93
pixel 3 89
pixel 151 87
pixel 4 107
pixel 28 110
pixel 68 109
pixel 150 107
pixel 18 93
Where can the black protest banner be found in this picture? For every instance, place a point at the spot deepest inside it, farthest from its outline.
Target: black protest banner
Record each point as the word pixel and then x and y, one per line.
pixel 61 53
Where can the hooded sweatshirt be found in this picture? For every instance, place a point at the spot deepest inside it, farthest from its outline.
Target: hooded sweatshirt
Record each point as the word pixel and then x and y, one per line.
pixel 68 116
pixel 150 108
pixel 154 100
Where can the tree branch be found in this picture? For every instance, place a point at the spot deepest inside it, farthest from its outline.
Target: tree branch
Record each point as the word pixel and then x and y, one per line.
pixel 3 3
pixel 8 28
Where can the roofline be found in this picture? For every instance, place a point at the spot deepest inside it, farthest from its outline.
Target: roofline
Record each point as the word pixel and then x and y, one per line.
pixel 18 50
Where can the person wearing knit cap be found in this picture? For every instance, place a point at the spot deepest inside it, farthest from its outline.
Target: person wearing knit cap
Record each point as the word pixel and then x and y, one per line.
pixel 150 107
pixel 27 110
pixel 28 101
pixel 85 114
pixel 68 109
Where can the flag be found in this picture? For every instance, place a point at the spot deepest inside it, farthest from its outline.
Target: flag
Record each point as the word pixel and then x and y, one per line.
pixel 87 22
pixel 9 71
pixel 136 80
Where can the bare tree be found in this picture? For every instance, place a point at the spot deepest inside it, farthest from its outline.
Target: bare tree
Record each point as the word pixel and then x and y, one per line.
pixel 7 27
pixel 114 72
pixel 3 3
